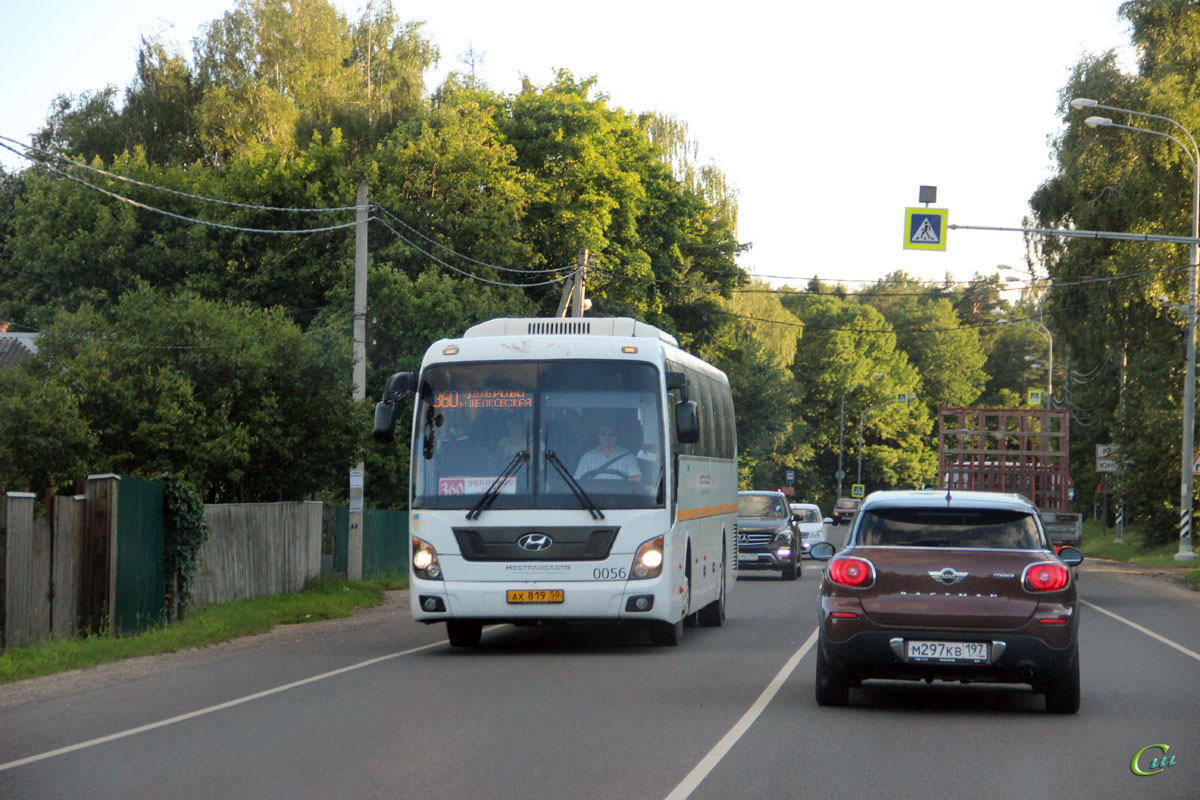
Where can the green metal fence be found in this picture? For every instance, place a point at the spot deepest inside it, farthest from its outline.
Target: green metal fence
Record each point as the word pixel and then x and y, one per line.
pixel 140 581
pixel 385 541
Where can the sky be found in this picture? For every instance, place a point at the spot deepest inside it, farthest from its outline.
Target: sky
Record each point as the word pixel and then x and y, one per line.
pixel 826 117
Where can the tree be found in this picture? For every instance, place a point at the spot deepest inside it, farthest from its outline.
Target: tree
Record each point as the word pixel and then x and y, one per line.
pixel 236 400
pixel 1106 295
pixel 948 355
pixel 844 345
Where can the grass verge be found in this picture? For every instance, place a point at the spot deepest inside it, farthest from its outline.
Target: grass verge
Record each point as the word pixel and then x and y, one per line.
pixel 1098 543
pixel 325 598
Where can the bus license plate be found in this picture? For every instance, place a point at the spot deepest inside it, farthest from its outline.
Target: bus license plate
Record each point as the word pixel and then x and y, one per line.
pixel 947 652
pixel 535 595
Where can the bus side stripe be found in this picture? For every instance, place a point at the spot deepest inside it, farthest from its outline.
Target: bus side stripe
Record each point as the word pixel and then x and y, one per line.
pixel 706 511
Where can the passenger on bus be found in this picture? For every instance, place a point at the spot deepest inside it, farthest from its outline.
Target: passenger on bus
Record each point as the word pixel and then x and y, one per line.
pixel 608 461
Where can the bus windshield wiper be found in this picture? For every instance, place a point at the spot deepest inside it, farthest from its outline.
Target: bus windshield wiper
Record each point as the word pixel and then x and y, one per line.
pixel 493 491
pixel 582 495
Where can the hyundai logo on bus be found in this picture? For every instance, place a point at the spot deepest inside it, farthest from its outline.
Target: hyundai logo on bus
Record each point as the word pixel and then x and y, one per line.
pixel 535 542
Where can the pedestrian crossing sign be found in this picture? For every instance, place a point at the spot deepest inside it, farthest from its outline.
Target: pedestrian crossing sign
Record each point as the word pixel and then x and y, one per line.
pixel 925 228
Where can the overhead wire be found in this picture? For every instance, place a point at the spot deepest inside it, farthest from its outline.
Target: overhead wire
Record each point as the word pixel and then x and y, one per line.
pixel 464 273
pixel 184 217
pixel 154 187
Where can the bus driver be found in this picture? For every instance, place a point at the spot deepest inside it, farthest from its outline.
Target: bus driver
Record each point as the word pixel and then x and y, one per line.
pixel 608 461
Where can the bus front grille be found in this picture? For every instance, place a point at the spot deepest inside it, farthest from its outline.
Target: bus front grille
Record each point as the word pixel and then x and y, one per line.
pixel 535 544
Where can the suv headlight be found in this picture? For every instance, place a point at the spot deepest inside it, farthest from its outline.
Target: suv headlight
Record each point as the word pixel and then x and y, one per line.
pixel 783 535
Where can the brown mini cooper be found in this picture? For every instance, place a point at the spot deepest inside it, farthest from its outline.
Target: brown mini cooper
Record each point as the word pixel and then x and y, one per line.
pixel 953 586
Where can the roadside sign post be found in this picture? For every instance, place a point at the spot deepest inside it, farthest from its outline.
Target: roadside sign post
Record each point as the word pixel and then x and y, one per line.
pixel 858 490
pixel 1108 461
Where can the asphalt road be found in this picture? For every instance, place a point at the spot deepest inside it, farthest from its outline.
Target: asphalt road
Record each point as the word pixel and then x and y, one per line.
pixel 382 707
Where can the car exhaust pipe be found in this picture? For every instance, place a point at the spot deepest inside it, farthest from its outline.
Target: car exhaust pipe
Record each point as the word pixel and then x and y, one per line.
pixel 1026 673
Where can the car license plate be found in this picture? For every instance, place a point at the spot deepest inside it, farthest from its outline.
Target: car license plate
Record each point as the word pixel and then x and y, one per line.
pixel 536 595
pixel 947 652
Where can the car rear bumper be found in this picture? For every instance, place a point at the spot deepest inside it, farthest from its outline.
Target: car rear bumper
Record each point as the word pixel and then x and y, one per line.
pixel 1019 658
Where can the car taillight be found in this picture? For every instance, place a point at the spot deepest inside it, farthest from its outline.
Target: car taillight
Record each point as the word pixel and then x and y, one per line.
pixel 851 572
pixel 1046 577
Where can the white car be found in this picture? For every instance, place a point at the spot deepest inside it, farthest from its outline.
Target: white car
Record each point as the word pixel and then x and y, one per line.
pixel 808 523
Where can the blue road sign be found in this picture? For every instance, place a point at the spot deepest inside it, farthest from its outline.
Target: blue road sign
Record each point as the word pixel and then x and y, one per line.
pixel 925 228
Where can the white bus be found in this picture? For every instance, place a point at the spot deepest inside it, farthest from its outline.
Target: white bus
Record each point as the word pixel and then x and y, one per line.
pixel 568 470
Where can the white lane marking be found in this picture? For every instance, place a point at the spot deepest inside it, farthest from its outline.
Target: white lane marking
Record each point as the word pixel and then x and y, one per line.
pixel 1144 630
pixel 721 748
pixel 112 737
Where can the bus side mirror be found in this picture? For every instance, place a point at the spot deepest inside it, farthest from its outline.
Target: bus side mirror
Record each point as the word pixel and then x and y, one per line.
pixel 385 422
pixel 398 385
pixel 677 381
pixel 687 421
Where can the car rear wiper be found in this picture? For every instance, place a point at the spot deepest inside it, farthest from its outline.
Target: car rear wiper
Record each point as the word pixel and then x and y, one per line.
pixel 493 491
pixel 580 494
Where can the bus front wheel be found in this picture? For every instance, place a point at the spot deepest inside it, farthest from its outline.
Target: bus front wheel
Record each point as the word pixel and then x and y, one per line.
pixel 666 634
pixel 463 633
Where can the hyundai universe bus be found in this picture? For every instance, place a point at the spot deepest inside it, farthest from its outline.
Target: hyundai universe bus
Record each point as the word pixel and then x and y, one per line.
pixel 568 470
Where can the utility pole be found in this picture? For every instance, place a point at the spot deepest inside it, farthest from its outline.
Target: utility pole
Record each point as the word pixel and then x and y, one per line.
pixel 354 544
pixel 573 288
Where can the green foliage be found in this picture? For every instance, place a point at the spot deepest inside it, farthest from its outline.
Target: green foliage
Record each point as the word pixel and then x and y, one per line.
pixel 186 532
pixel 232 373
pixel 222 395
pixel 1107 311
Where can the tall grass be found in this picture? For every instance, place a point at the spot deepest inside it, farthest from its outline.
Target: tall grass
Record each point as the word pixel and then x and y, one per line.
pixel 1098 542
pixel 326 598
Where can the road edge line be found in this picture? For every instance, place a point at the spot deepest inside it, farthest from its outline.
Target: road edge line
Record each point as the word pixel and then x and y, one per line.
pixel 1143 629
pixel 112 737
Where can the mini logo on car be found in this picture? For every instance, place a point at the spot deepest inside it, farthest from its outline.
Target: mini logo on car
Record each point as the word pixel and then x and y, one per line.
pixel 948 576
pixel 535 542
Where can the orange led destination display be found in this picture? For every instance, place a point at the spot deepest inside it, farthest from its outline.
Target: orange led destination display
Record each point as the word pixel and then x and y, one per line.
pixel 500 398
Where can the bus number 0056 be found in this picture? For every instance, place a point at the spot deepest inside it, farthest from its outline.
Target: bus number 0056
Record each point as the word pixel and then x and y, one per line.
pixel 609 573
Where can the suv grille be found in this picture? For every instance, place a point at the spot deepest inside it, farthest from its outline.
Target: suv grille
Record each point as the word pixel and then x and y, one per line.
pixel 755 539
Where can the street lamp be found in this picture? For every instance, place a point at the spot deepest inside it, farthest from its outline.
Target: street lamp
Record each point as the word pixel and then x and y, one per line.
pixel 903 398
pixel 1043 330
pixel 1186 553
pixel 841 473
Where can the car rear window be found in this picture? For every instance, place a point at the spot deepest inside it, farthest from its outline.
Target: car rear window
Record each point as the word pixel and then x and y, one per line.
pixel 949 527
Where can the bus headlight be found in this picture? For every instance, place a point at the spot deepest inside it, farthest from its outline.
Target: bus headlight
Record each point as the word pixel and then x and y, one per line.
pixel 648 560
pixel 425 561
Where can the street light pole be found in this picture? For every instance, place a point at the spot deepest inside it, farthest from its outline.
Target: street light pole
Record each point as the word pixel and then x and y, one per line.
pixel 905 398
pixel 1044 331
pixel 841 473
pixel 1185 553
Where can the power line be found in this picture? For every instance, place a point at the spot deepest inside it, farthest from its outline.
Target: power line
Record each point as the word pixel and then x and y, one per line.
pixel 464 273
pixel 183 217
pixel 463 256
pixel 155 187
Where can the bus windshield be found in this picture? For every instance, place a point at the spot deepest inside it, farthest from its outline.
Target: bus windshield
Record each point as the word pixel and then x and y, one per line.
pixel 601 420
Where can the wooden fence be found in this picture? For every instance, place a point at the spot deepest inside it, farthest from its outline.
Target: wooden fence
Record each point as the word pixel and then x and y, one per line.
pixel 258 549
pixel 77 567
